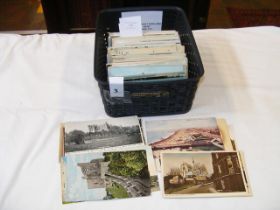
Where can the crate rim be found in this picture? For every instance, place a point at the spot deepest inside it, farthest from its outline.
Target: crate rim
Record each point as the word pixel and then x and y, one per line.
pixel 143 8
pixel 153 81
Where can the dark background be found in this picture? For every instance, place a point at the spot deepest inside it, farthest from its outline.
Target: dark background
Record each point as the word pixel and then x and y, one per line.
pixel 70 16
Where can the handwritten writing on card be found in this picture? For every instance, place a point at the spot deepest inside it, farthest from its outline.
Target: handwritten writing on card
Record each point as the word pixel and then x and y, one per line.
pixel 151 20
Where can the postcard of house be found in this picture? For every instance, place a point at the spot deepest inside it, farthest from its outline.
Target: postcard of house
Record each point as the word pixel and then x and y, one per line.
pixel 98 134
pixel 203 174
pixel 105 176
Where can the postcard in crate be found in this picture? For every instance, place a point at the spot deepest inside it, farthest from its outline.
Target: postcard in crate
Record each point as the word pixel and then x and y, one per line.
pixel 149 50
pixel 105 175
pixel 147 71
pixel 203 174
pixel 98 134
pixel 148 38
pixel 153 55
pixel 186 135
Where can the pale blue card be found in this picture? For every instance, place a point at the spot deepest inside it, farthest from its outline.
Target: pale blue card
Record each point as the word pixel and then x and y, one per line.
pixel 76 188
pixel 146 71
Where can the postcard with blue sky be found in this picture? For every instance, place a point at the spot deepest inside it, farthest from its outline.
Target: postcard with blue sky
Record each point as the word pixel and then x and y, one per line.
pixel 105 175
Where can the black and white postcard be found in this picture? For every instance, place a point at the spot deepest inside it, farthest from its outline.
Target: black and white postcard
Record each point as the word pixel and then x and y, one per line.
pixel 99 134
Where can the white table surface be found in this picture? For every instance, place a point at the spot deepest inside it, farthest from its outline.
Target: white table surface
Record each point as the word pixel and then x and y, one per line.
pixel 48 79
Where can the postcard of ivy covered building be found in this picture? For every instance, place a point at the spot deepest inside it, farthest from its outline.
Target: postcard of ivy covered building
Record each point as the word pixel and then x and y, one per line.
pixel 203 174
pixel 98 134
pixel 105 176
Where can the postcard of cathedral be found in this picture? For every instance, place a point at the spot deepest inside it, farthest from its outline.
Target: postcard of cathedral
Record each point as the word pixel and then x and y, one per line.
pixel 180 134
pixel 203 174
pixel 105 175
pixel 99 134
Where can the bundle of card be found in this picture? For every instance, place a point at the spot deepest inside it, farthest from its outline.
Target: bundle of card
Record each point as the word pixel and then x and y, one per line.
pixel 199 134
pixel 156 54
pixel 196 157
pixel 108 174
pixel 105 159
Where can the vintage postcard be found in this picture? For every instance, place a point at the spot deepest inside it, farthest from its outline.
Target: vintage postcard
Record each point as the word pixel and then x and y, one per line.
pixel 98 134
pixel 147 59
pixel 148 50
pixel 105 175
pixel 203 174
pixel 245 173
pixel 164 37
pixel 207 134
pixel 148 33
pixel 150 159
pixel 147 71
pixel 153 55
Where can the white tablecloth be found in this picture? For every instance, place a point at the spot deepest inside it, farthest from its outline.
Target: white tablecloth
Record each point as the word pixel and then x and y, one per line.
pixel 48 79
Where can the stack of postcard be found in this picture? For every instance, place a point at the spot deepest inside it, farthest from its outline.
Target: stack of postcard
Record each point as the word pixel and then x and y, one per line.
pixel 108 159
pixel 105 159
pixel 196 157
pixel 156 54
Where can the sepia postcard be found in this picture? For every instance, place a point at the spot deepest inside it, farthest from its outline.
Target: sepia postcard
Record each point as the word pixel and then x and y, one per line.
pixel 203 174
pixel 105 175
pixel 98 134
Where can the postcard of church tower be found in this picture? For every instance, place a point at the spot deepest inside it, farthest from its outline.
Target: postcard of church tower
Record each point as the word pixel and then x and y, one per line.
pixel 203 174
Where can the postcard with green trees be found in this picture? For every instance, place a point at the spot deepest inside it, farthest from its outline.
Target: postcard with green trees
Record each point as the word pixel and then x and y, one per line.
pixel 105 176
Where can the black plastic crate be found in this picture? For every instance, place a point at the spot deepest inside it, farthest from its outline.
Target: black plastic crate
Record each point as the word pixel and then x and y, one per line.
pixel 148 97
